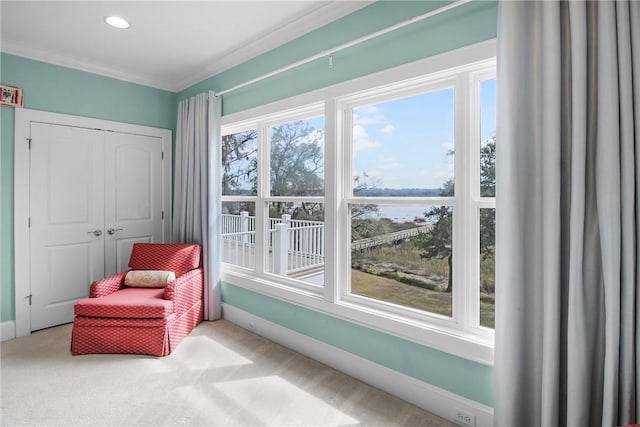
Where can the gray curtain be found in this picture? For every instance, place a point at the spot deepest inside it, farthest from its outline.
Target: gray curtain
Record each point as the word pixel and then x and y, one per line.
pixel 196 199
pixel 567 346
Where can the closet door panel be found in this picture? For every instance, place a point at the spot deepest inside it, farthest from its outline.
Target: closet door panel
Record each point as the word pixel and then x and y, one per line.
pixel 67 217
pixel 133 195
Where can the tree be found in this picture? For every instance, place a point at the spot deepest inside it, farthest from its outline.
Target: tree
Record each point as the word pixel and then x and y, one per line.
pixel 362 223
pixel 436 243
pixel 297 168
pixel 487 189
pixel 239 163
pixel 488 168
pixel 297 160
pixel 297 165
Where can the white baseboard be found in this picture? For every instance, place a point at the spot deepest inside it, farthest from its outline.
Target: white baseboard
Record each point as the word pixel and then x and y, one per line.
pixel 433 399
pixel 7 330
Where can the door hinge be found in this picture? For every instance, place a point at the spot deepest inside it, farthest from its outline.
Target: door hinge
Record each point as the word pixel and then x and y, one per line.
pixel 162 157
pixel 29 297
pixel 29 222
pixel 29 143
pixel 162 215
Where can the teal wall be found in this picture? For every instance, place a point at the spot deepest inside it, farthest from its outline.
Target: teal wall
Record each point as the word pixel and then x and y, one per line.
pixel 63 90
pixel 465 25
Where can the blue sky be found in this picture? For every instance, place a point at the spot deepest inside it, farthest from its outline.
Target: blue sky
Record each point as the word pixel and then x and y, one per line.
pixel 487 109
pixel 404 143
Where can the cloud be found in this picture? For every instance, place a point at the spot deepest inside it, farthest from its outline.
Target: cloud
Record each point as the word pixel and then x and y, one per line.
pixel 364 120
pixel 389 163
pixel 435 177
pixel 369 120
pixel 370 115
pixel 359 132
pixel 362 141
pixel 388 128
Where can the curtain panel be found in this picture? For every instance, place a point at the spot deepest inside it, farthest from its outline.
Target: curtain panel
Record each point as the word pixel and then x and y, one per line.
pixel 567 346
pixel 196 200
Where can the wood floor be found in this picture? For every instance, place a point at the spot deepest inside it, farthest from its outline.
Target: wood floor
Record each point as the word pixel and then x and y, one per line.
pixel 221 375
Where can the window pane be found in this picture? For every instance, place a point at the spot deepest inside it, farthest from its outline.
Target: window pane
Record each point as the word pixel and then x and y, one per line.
pixel 405 147
pixel 407 263
pixel 297 158
pixel 488 138
pixel 487 267
pixel 238 231
pixel 239 163
pixel 296 241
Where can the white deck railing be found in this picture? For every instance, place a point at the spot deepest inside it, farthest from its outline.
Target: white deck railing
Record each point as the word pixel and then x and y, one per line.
pixel 294 245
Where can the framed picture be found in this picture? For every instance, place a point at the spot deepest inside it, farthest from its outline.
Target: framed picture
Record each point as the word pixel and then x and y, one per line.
pixel 10 96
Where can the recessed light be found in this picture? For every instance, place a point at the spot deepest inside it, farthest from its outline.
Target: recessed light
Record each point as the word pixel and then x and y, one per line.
pixel 117 22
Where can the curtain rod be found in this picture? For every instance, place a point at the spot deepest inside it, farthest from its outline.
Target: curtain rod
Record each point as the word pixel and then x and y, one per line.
pixel 329 53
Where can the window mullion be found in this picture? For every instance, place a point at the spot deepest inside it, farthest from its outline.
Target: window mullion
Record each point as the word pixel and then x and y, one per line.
pixel 461 207
pixel 262 211
pixel 333 178
pixel 345 191
pixel 473 215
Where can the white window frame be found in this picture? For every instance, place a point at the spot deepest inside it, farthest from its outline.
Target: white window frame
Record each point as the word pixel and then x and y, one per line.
pixel 263 197
pixel 346 105
pixel 461 336
pixel 465 203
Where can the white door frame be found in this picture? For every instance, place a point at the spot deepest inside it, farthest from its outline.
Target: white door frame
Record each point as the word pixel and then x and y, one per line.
pixel 23 119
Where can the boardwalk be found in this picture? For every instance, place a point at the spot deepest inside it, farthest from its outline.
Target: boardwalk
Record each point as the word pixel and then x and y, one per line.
pixel 390 238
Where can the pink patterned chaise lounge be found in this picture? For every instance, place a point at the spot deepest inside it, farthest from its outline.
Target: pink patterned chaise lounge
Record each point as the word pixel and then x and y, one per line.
pixel 117 318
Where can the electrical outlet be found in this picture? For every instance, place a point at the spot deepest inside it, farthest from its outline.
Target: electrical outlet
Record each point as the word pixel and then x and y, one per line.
pixel 464 418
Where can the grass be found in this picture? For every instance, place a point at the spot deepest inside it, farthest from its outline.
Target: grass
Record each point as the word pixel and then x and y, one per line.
pixel 487 313
pixel 392 291
pixel 398 275
pixel 408 280
pixel 389 290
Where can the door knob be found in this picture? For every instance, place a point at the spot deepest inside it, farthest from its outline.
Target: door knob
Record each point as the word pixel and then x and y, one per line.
pixel 111 231
pixel 96 233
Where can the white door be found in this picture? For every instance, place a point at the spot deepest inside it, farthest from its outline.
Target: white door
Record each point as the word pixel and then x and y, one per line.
pixel 93 195
pixel 133 196
pixel 67 219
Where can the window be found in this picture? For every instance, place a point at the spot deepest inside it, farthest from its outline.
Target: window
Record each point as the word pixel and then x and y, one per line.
pixel 402 157
pixel 273 196
pixel 295 221
pixel 239 188
pixel 372 203
pixel 416 205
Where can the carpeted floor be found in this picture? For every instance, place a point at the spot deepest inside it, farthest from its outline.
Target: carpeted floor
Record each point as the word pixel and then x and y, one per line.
pixel 221 375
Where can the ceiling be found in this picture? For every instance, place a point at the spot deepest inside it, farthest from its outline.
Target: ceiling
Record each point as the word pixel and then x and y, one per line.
pixel 170 45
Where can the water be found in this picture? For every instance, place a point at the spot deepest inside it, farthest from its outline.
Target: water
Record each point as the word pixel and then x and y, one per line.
pixel 400 214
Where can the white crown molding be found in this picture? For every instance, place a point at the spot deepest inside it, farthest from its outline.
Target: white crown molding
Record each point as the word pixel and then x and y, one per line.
pixel 295 28
pixel 14 48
